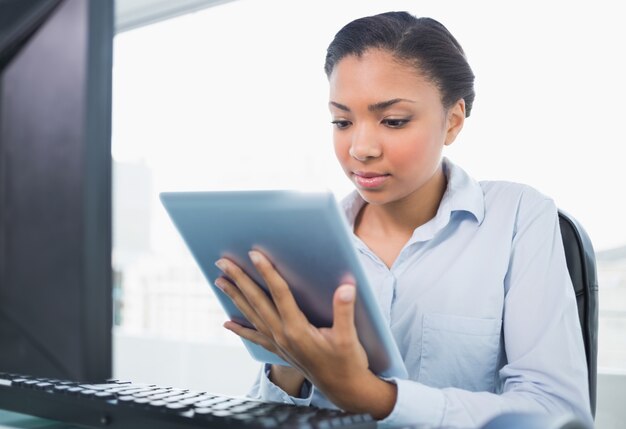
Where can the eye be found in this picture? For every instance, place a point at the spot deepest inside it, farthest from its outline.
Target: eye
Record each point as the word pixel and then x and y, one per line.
pixel 341 124
pixel 395 123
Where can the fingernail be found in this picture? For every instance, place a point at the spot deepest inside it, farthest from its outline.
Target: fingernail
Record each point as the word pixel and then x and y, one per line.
pixel 254 256
pixel 346 294
pixel 220 264
pixel 219 284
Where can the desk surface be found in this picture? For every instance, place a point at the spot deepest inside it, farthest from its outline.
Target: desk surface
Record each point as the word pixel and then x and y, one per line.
pixel 10 420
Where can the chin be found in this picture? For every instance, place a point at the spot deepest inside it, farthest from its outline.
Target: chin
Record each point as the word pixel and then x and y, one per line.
pixel 376 197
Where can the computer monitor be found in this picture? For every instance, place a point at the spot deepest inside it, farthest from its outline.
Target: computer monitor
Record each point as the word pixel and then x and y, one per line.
pixel 55 188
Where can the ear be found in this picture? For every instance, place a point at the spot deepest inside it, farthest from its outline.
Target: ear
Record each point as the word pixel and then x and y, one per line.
pixel 455 121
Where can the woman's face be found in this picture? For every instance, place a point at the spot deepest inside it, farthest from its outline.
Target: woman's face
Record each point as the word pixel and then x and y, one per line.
pixel 390 125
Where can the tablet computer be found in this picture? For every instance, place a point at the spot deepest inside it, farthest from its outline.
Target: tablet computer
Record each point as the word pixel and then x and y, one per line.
pixel 307 238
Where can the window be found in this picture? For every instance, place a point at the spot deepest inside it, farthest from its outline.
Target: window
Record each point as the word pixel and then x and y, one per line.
pixel 234 97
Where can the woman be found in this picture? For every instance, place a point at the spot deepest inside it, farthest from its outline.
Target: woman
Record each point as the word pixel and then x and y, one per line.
pixel 471 276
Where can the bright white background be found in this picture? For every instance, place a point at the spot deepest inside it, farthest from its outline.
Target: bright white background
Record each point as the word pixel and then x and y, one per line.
pixel 235 96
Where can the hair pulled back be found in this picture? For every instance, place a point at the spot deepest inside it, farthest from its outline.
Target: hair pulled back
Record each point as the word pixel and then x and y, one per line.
pixel 421 42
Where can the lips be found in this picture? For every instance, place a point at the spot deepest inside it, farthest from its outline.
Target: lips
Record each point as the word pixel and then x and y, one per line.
pixel 370 180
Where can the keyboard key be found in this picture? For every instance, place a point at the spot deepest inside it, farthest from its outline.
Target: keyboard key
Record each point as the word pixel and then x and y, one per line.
pixel 125 399
pixel 210 402
pixel 167 394
pixel 142 401
pixel 99 386
pixel 177 406
pixel 131 390
pixel 180 397
pixel 18 381
pixel 43 385
pixel 195 400
pixel 222 405
pixel 206 397
pixel 238 401
pixel 143 393
pixel 157 404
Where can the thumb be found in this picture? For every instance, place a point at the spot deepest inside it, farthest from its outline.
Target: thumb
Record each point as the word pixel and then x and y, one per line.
pixel 343 311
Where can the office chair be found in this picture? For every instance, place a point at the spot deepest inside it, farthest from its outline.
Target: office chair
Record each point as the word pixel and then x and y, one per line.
pixel 581 264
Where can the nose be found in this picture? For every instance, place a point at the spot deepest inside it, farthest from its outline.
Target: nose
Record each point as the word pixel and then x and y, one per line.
pixel 364 145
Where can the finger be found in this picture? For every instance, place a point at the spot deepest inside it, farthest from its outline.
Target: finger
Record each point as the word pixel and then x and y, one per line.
pixel 279 289
pixel 250 334
pixel 343 313
pixel 263 306
pixel 242 304
pixel 262 340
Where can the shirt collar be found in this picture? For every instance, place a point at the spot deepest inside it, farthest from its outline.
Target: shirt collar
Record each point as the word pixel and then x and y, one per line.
pixel 463 194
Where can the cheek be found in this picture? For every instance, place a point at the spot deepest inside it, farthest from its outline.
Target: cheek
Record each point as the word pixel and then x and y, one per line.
pixel 418 155
pixel 342 148
pixel 407 158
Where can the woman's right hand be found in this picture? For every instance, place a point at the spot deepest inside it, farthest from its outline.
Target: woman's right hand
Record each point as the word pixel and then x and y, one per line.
pixel 287 378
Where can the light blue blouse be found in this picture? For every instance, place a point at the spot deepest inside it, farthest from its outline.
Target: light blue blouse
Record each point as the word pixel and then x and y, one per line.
pixel 482 308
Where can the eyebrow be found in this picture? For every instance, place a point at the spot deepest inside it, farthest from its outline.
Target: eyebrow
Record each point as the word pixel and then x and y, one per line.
pixel 376 107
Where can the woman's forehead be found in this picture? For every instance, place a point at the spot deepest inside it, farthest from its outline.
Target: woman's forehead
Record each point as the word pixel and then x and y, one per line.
pixel 378 74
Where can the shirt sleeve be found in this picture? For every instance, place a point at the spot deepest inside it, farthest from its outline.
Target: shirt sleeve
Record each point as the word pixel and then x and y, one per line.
pixel 545 369
pixel 263 389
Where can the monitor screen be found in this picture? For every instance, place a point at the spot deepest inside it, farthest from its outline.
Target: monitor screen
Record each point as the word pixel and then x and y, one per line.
pixel 55 188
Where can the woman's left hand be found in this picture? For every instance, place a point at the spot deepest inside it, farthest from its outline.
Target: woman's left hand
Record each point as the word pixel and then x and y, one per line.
pixel 333 359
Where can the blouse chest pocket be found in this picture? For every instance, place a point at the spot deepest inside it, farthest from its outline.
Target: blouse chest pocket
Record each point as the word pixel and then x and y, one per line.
pixel 460 352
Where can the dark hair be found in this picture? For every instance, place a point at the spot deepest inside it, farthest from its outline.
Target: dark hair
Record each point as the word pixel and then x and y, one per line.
pixel 422 42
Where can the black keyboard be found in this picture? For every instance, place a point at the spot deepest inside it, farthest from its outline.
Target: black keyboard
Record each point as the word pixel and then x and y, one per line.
pixel 119 404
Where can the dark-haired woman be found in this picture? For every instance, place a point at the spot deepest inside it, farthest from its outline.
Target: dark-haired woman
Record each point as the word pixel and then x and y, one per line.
pixel 470 275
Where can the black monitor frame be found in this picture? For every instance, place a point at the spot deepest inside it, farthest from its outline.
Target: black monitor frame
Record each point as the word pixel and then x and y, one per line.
pixel 55 188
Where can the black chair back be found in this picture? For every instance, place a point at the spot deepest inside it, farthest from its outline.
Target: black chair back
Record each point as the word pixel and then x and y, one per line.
pixel 581 264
